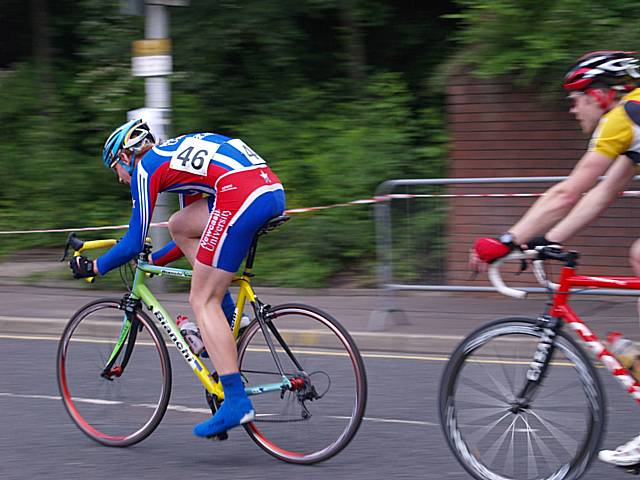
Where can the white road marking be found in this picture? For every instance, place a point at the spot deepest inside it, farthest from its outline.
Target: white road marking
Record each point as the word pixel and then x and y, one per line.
pixel 394 420
pixel 182 408
pixel 17 395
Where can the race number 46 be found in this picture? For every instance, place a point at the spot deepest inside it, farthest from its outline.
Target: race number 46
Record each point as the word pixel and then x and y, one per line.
pixel 193 156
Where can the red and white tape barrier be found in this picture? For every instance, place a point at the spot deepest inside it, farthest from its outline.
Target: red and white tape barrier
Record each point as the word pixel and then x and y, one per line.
pixel 364 201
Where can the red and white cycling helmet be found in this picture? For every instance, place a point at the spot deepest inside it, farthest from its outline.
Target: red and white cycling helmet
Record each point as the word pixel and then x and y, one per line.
pixel 608 69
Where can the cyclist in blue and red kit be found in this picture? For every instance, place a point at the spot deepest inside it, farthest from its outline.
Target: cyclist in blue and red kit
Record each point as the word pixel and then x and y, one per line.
pixel 214 233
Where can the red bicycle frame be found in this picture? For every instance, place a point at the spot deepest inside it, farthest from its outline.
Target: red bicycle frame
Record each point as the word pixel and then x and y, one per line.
pixel 561 309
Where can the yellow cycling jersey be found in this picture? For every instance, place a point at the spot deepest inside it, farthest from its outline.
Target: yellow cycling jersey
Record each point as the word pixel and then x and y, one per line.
pixel 618 132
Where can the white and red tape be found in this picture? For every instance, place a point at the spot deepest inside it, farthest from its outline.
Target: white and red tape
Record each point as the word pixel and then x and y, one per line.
pixel 365 201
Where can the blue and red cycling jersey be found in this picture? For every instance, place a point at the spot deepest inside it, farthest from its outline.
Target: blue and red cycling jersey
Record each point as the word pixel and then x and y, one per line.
pixel 193 165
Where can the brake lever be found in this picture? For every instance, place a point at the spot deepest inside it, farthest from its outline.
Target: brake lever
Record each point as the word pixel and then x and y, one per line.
pixel 66 248
pixel 523 266
pixel 74 242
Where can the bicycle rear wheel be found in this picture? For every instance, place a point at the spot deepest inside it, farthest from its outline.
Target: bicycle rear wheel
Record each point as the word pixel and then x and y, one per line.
pixel 319 416
pixel 122 405
pixel 554 437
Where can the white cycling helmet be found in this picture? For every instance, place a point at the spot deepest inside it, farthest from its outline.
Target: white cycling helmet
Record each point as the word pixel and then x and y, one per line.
pixel 133 135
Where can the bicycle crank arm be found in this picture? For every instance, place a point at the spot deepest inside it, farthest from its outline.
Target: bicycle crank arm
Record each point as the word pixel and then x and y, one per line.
pixel 632 469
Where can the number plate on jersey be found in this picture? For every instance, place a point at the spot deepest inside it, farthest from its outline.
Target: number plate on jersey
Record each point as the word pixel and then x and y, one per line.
pixel 193 156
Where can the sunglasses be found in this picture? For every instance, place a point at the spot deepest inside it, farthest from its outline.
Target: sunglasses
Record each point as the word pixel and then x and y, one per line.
pixel 115 161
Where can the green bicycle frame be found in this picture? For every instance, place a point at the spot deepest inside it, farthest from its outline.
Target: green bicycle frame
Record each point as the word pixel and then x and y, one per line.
pixel 140 291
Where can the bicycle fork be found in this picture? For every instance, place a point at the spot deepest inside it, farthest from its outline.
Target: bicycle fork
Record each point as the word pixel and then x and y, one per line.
pixel 549 327
pixel 128 333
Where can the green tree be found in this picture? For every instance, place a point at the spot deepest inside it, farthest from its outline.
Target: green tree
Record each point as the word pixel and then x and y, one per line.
pixel 537 40
pixel 331 93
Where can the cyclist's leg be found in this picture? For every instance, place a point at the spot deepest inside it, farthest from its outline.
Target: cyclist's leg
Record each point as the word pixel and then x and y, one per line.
pixel 208 287
pixel 634 259
pixel 186 227
pixel 629 453
pixel 237 214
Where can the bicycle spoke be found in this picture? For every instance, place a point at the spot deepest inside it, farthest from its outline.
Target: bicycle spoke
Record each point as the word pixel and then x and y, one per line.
pixel 482 431
pixel 481 414
pixel 503 364
pixel 563 439
pixel 547 454
pixel 561 418
pixel 492 451
pixel 532 467
pixel 509 464
pixel 508 395
pixel 551 393
pixel 481 392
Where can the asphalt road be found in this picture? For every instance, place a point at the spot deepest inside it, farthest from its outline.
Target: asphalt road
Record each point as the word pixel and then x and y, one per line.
pixel 401 437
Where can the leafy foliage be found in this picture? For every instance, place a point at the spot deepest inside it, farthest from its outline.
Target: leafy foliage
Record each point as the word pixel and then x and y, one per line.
pixel 536 40
pixel 276 74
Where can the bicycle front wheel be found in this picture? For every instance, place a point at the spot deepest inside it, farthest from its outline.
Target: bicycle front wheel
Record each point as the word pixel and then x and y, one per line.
pixel 495 435
pixel 320 414
pixel 119 402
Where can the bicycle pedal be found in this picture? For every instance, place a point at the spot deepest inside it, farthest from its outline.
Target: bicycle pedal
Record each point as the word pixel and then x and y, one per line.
pixel 222 436
pixel 632 469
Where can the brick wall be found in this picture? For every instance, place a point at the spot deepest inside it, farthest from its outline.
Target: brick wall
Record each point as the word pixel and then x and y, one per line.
pixel 498 130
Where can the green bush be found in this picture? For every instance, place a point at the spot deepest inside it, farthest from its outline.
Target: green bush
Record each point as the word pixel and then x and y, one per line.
pixel 325 149
pixel 279 76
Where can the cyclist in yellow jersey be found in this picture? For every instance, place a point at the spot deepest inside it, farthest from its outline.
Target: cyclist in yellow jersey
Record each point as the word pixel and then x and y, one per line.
pixel 618 131
pixel 606 101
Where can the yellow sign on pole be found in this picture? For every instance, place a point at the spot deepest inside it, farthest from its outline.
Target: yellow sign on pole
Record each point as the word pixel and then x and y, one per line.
pixel 153 46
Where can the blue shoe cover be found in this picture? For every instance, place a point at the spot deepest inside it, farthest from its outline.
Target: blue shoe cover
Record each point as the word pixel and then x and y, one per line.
pixel 229 415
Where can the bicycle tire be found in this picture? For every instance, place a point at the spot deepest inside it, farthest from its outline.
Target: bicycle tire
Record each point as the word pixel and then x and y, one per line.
pixel 124 409
pixel 545 438
pixel 282 427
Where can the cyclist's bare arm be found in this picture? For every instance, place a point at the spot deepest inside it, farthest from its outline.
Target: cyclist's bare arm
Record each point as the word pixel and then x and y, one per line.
pixel 561 198
pixel 594 202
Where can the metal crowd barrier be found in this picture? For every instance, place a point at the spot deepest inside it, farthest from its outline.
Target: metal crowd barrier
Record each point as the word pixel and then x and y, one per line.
pixel 389 262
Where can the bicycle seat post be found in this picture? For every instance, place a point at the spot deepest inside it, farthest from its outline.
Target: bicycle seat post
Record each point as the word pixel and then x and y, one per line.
pixel 248 264
pixel 271 224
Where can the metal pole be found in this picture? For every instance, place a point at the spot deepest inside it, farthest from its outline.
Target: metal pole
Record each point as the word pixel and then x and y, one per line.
pixel 158 96
pixel 388 311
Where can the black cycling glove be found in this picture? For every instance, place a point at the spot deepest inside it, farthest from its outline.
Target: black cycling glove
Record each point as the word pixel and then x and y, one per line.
pixel 82 267
pixel 541 241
